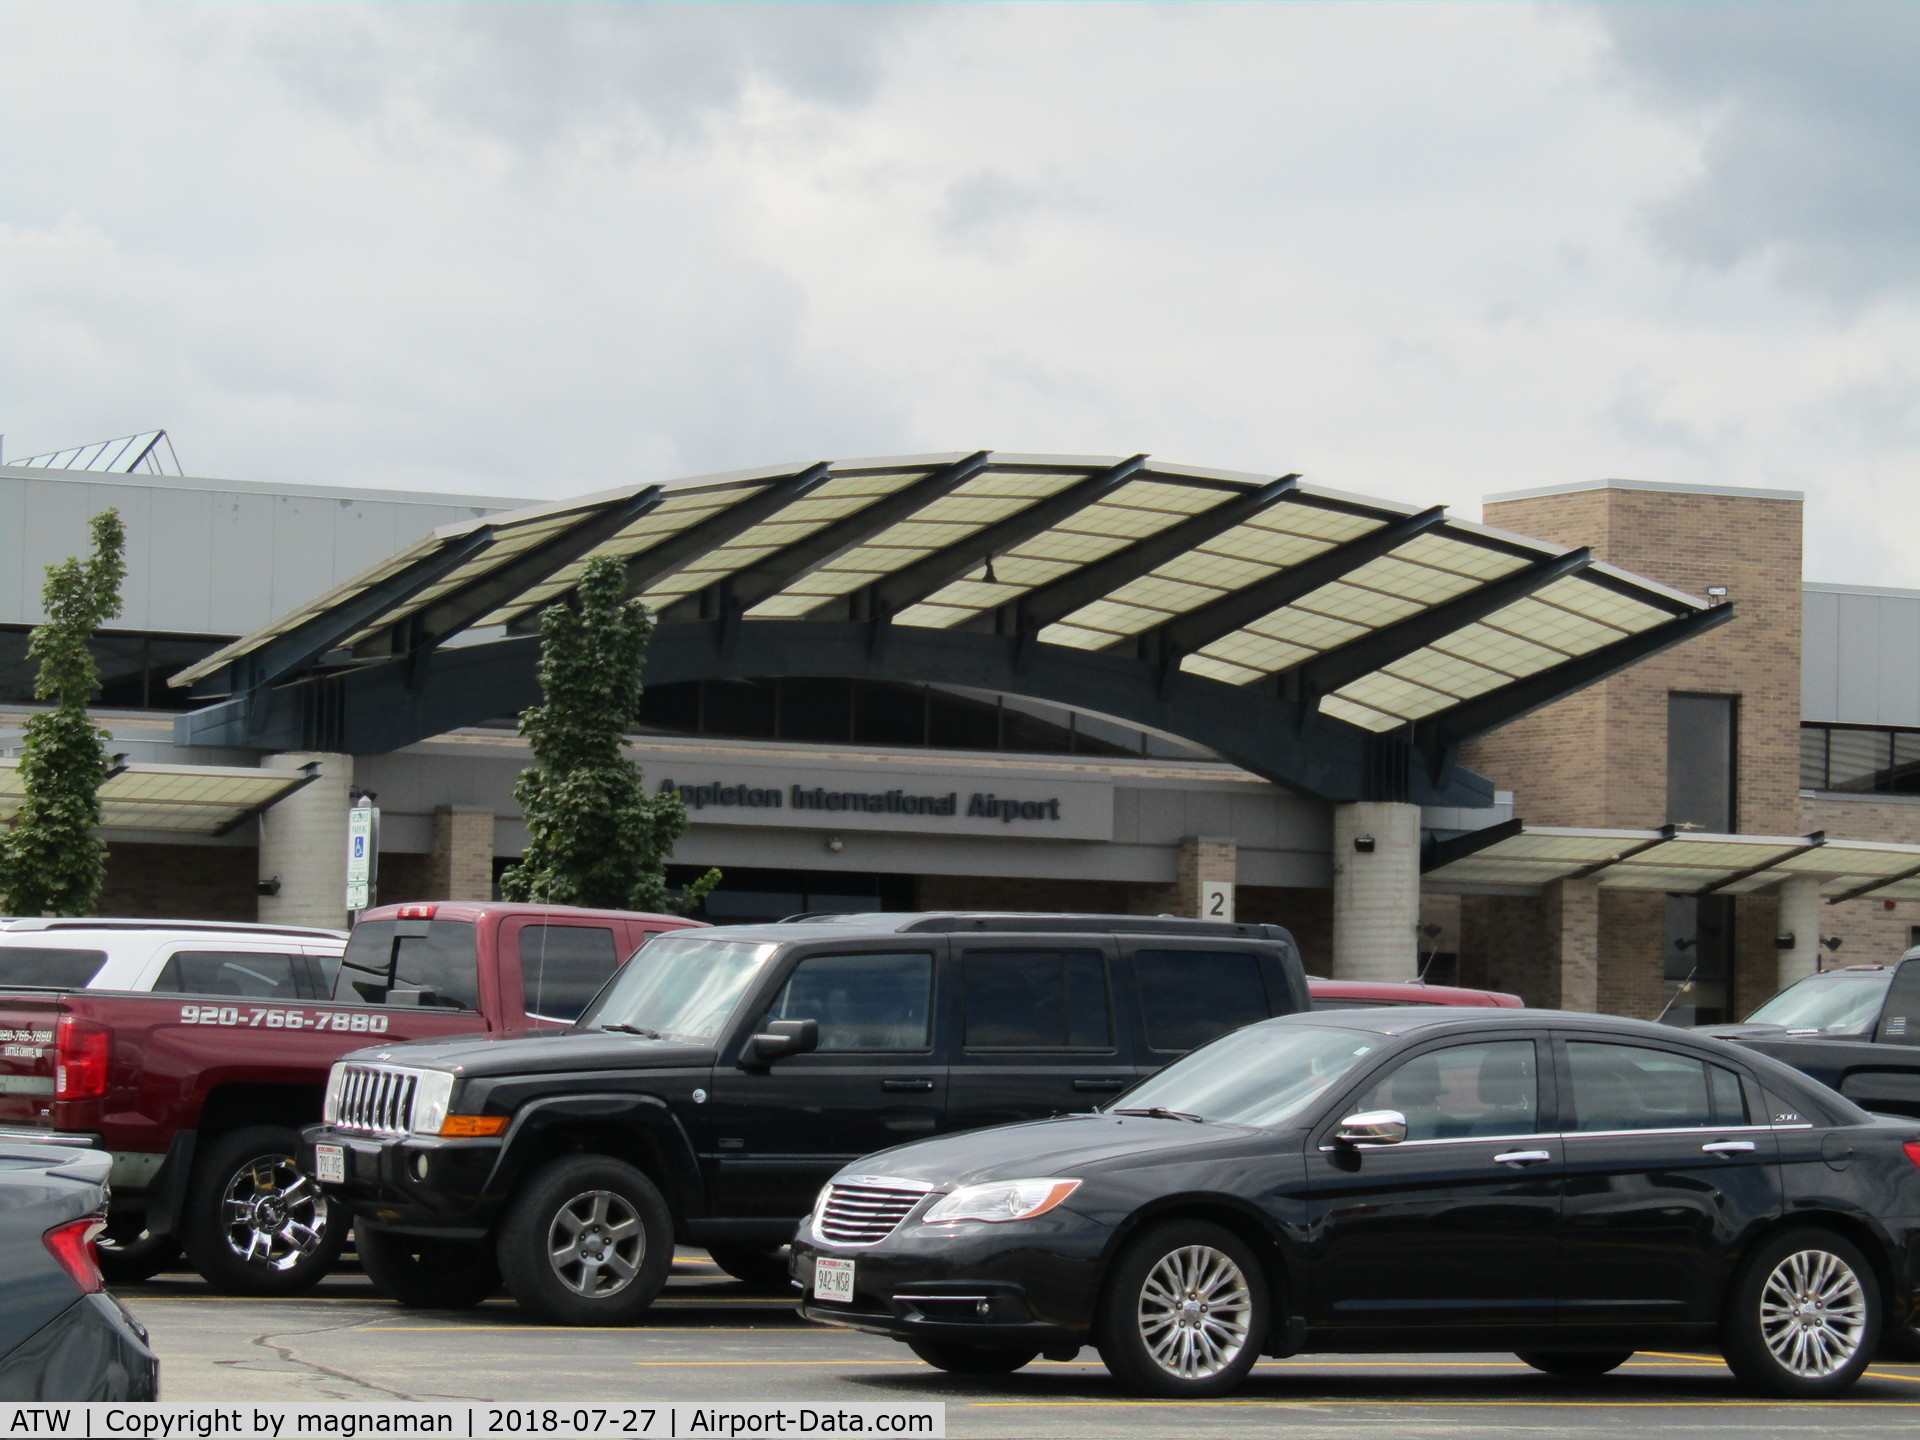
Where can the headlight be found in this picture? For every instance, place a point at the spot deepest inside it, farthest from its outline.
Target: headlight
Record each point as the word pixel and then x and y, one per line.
pixel 1000 1200
pixel 430 1100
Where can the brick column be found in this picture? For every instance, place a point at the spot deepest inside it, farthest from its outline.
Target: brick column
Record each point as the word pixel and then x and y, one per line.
pixel 1801 911
pixel 1376 891
pixel 303 843
pixel 1573 920
pixel 1203 858
pixel 461 867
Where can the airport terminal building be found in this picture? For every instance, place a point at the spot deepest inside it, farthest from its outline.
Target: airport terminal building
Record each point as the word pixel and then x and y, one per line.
pixel 1604 745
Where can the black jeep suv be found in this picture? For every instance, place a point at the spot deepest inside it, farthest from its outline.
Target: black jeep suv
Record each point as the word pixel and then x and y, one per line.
pixel 722 1076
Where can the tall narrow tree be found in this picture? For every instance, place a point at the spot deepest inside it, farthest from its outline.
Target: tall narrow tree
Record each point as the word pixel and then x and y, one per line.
pixel 594 836
pixel 52 859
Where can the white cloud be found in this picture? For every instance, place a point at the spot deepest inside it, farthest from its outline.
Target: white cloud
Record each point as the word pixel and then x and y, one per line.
pixel 1417 251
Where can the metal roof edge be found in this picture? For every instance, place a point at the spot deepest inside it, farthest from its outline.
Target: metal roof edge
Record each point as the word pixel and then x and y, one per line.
pixel 287 489
pixel 1669 487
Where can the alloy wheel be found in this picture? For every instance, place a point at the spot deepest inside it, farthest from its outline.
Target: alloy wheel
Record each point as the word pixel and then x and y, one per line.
pixel 596 1243
pixel 1813 1313
pixel 1194 1312
pixel 273 1215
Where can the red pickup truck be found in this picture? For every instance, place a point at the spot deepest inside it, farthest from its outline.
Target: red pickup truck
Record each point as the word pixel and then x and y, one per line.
pixel 200 1098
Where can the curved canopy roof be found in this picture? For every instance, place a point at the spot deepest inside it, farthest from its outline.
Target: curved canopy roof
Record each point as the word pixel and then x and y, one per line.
pixel 1373 614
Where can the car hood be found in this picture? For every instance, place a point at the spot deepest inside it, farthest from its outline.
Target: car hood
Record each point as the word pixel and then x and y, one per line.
pixel 1071 1145
pixel 541 1052
pixel 1761 1030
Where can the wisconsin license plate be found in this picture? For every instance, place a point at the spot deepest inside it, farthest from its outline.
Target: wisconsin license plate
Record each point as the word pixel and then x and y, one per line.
pixel 331 1163
pixel 833 1280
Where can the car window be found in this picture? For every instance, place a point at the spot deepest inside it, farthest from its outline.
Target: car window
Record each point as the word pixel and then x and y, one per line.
pixel 863 1002
pixel 51 967
pixel 1900 1025
pixel 386 955
pixel 562 967
pixel 1462 1092
pixel 1191 996
pixel 1036 1000
pixel 1632 1087
pixel 1837 1000
pixel 243 973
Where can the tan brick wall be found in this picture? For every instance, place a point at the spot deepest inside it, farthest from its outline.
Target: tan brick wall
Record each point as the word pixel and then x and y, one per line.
pixel 1870 930
pixel 1598 758
pixel 1308 914
pixel 1202 858
pixel 461 866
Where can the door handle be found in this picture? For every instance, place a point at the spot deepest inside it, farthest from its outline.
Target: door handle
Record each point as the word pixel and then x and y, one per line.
pixel 1084 1085
pixel 1729 1147
pixel 1523 1157
pixel 906 1084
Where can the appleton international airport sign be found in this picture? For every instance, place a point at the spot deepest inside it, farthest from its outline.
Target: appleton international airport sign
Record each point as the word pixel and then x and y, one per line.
pixel 1050 807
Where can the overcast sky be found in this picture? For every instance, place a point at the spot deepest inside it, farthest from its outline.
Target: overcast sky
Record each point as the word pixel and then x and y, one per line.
pixel 1423 251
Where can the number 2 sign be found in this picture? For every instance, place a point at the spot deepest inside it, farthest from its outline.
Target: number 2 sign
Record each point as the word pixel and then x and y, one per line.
pixel 1216 900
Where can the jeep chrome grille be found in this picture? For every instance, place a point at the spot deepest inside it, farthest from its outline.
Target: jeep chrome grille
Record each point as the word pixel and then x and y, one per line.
pixel 865 1209
pixel 375 1098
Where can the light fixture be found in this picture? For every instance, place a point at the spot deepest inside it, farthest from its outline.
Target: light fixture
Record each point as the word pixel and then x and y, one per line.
pixel 1833 942
pixel 1784 941
pixel 1363 843
pixel 1716 592
pixel 836 844
pixel 267 887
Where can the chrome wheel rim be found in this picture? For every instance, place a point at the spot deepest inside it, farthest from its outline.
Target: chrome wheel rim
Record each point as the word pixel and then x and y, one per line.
pixel 596 1243
pixel 1194 1312
pixel 273 1215
pixel 1813 1313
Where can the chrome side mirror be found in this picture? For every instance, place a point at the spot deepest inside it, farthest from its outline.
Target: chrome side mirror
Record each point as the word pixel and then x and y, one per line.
pixel 1372 1127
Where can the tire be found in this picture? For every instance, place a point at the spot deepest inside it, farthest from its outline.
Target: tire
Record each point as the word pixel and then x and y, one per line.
pixel 971 1359
pixel 1771 1346
pixel 618 1214
pixel 1148 1338
pixel 135 1258
pixel 423 1273
pixel 254 1224
pixel 1575 1364
pixel 764 1266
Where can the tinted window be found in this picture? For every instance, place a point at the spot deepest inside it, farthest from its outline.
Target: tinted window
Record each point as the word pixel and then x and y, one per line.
pixel 563 967
pixel 863 1002
pixel 1628 1087
pixel 232 972
pixel 1191 996
pixel 1900 1025
pixel 1036 1000
pixel 1728 1096
pixel 435 955
pixel 49 966
pixel 1462 1091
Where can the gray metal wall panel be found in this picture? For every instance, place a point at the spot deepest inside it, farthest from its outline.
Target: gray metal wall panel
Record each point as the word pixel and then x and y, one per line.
pixel 1861 659
pixel 13 549
pixel 1899 659
pixel 180 539
pixel 1820 654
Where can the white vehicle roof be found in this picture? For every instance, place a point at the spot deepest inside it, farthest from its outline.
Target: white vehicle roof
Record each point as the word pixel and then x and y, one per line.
pixel 137 951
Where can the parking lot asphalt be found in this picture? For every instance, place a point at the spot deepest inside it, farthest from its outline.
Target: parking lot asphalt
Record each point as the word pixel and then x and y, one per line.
pixel 711 1339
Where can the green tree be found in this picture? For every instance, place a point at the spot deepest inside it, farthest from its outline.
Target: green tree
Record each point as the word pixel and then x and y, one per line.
pixel 594 836
pixel 52 860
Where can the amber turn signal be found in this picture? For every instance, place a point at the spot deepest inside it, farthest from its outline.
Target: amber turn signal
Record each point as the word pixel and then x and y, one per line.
pixel 467 1126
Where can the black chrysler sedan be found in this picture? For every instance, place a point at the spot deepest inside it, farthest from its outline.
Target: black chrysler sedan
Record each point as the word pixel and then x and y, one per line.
pixel 1572 1188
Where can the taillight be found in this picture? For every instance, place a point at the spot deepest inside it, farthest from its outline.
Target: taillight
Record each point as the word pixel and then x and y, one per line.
pixel 1912 1147
pixel 72 1246
pixel 80 1054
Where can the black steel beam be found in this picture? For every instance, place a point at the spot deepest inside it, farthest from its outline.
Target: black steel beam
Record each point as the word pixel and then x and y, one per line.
pixel 275 658
pixel 1057 599
pixel 1187 633
pixel 1880 884
pixel 1667 832
pixel 1441 853
pixel 1365 654
pixel 1522 697
pixel 454 611
pixel 309 773
pixel 763 579
pixel 893 593
pixel 1813 842
pixel 677 550
pixel 376 708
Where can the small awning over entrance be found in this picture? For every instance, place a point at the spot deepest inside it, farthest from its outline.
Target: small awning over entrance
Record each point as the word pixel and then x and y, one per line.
pixel 1519 857
pixel 181 799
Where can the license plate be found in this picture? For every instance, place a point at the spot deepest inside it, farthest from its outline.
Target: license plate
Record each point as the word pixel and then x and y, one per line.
pixel 833 1280
pixel 331 1163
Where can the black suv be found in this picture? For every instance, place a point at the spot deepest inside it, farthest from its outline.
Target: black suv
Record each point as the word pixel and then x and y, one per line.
pixel 723 1075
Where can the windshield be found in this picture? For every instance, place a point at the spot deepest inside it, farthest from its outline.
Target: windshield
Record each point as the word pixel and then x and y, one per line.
pixel 1263 1075
pixel 1842 1000
pixel 437 959
pixel 682 988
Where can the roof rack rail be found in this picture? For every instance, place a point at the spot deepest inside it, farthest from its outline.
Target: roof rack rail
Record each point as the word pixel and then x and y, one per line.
pixel 22 923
